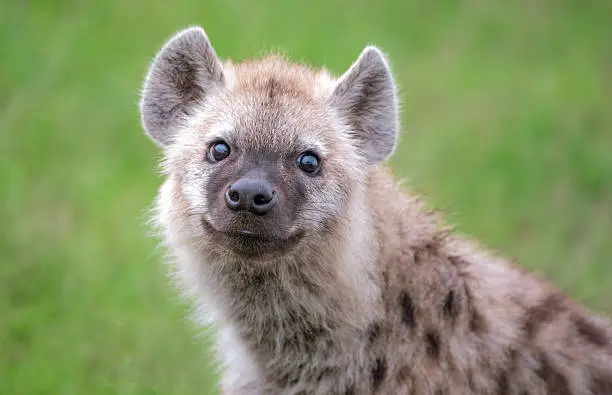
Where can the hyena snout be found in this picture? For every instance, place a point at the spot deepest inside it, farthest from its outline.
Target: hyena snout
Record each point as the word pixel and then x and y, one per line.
pixel 253 195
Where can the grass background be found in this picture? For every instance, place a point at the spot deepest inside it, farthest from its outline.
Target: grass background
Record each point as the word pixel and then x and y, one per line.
pixel 507 126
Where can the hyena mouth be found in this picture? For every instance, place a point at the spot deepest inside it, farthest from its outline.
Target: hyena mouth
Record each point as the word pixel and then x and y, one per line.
pixel 251 243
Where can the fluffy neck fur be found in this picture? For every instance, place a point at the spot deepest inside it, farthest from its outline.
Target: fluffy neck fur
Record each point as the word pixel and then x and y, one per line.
pixel 327 284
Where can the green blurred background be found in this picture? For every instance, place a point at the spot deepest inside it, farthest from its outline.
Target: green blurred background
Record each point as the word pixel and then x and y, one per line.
pixel 507 126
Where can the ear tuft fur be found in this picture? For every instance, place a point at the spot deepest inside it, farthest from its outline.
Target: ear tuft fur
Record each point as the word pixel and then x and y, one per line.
pixel 366 97
pixel 184 71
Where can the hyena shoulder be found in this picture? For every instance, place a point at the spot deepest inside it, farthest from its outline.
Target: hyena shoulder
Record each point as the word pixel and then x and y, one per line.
pixel 459 319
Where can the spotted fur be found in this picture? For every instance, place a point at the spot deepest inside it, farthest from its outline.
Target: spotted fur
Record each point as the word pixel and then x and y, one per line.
pixel 363 290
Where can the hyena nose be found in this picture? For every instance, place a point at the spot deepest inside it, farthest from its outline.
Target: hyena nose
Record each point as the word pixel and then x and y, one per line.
pixel 247 194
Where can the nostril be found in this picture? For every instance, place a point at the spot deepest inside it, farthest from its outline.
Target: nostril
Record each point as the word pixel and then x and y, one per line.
pixel 234 196
pixel 262 203
pixel 233 200
pixel 261 199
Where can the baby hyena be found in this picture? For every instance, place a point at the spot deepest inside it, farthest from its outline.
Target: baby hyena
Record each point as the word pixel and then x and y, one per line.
pixel 321 275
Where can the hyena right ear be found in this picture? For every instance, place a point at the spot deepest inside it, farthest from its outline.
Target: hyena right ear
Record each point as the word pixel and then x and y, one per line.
pixel 184 71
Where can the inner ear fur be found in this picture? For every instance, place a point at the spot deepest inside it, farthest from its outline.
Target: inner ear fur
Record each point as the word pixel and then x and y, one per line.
pixel 365 96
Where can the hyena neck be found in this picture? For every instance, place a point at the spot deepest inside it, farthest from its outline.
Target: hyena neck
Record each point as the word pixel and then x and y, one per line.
pixel 329 285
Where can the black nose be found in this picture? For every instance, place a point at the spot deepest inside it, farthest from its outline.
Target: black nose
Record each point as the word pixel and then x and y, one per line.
pixel 256 196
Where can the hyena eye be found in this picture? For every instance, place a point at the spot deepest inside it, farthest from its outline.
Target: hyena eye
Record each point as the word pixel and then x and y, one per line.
pixel 219 151
pixel 309 162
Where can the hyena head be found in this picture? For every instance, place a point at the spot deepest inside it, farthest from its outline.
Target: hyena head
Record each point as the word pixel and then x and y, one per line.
pixel 264 154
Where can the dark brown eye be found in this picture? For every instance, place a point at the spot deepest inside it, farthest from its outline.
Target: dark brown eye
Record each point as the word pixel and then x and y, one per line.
pixel 309 162
pixel 219 151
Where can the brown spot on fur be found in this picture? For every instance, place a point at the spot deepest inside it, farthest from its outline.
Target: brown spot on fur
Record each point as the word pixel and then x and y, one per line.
pixel 287 379
pixel 513 355
pixel 513 360
pixel 470 378
pixel 457 261
pixel 405 302
pixel 589 331
pixel 451 306
pixel 503 385
pixel 555 381
pixel 379 370
pixel 545 311
pixel 477 323
pixel 350 390
pixel 273 87
pixel 312 334
pixel 373 332
pixel 433 344
pixel 326 372
pixel 403 374
pixel 425 253
pixel 386 278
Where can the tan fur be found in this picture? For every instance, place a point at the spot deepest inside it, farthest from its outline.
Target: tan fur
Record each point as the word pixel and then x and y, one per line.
pixel 378 296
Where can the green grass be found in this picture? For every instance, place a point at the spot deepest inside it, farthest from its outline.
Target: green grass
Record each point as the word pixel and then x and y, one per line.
pixel 507 126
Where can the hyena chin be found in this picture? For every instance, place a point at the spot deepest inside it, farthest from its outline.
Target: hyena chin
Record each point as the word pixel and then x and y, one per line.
pixel 319 273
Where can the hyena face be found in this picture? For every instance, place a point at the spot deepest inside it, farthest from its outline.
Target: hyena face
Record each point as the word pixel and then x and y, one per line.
pixel 265 152
pixel 264 167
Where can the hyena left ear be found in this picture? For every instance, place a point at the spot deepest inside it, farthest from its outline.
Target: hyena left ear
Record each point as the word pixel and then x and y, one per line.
pixel 366 97
pixel 184 72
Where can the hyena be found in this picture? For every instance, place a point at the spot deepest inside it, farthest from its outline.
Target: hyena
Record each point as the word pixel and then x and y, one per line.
pixel 319 272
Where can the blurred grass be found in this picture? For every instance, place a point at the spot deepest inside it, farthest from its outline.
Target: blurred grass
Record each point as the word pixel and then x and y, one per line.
pixel 508 126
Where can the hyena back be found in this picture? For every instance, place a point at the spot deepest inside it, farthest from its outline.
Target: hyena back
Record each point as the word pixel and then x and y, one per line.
pixel 321 274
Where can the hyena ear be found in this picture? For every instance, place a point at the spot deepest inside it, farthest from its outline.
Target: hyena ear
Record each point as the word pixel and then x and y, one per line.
pixel 366 97
pixel 184 71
